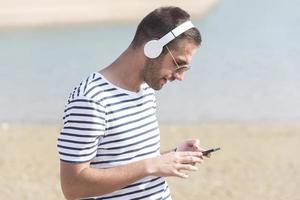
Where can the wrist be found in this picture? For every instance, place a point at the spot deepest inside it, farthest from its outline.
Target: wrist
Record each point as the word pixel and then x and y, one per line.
pixel 149 166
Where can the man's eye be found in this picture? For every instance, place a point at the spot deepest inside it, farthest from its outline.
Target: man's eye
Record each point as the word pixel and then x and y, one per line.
pixel 182 69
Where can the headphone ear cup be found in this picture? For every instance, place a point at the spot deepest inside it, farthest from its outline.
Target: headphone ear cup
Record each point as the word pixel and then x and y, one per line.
pixel 152 49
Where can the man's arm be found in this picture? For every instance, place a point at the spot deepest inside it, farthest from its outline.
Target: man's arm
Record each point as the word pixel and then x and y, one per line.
pixel 80 180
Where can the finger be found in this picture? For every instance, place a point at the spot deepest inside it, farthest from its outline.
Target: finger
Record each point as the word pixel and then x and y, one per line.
pixel 201 149
pixel 196 145
pixel 191 153
pixel 186 167
pixel 208 155
pixel 193 144
pixel 190 159
pixel 180 174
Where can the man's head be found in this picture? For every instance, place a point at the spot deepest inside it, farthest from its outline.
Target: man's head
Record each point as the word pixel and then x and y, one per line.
pixel 158 70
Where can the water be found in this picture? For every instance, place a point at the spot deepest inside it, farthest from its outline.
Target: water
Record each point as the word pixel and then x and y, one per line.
pixel 247 68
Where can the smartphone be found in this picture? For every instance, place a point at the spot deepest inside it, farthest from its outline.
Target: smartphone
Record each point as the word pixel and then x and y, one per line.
pixel 205 153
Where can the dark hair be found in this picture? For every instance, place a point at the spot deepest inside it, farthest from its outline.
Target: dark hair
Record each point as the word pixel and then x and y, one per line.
pixel 161 21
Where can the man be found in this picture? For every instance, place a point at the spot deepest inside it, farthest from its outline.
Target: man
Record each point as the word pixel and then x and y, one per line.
pixel 110 146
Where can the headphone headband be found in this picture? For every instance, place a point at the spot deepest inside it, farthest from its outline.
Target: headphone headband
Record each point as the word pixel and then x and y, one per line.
pixel 153 48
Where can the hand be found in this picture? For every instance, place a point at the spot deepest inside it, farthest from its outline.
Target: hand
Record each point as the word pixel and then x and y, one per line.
pixel 190 145
pixel 172 164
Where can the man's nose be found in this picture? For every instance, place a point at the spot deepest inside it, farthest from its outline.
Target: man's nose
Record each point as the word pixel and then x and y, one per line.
pixel 178 76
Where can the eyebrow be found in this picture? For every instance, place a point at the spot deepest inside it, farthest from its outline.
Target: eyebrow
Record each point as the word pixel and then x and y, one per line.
pixel 181 61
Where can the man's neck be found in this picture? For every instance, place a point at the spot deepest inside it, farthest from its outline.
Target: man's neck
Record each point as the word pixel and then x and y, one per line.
pixel 126 71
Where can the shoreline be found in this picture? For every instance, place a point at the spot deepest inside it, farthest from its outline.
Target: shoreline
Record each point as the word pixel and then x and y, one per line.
pixel 33 13
pixel 6 127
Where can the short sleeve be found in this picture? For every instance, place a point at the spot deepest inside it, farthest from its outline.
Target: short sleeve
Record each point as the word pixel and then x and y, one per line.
pixel 84 125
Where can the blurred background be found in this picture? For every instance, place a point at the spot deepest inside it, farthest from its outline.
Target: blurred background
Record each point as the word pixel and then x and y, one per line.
pixel 241 93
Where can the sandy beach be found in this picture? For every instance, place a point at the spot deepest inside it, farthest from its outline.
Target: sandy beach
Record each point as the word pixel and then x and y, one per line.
pixel 257 161
pixel 32 13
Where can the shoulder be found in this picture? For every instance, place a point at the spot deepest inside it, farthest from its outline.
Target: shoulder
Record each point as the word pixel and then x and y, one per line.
pixel 94 86
pixel 92 89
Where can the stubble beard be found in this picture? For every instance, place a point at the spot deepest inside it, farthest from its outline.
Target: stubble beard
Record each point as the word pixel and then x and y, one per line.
pixel 152 74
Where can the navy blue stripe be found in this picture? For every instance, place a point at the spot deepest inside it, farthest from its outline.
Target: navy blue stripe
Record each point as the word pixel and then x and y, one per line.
pixel 76 162
pixel 129 107
pixel 83 129
pixel 76 135
pixel 82 115
pixel 128 145
pixel 79 149
pixel 125 159
pixel 77 142
pixel 94 75
pixel 139 191
pixel 129 115
pixel 78 91
pixel 84 108
pixel 108 90
pixel 69 99
pixel 147 88
pixel 131 122
pixel 74 92
pixel 148 195
pixel 95 86
pixel 130 151
pixel 97 79
pixel 129 100
pixel 84 122
pixel 135 192
pixel 168 194
pixel 141 183
pixel 128 138
pixel 129 130
pixel 86 83
pixel 113 96
pixel 86 100
pixel 76 155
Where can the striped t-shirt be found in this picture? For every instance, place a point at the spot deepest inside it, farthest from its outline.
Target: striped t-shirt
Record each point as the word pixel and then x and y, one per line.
pixel 109 126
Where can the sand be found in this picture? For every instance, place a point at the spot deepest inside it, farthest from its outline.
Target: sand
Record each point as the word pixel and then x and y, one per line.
pixel 32 13
pixel 257 161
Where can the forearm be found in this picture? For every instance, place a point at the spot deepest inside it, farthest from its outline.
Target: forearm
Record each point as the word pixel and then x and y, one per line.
pixel 80 180
pixel 90 182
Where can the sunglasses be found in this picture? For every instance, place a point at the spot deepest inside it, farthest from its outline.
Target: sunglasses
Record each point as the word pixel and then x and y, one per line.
pixel 180 69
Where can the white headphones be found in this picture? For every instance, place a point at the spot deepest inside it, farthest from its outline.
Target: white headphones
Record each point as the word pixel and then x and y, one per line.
pixel 153 48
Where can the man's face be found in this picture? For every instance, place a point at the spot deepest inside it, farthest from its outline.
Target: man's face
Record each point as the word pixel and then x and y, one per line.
pixel 163 69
